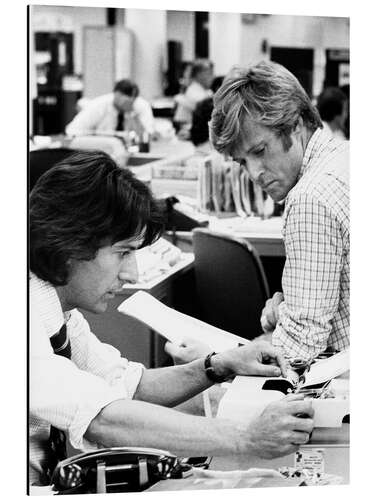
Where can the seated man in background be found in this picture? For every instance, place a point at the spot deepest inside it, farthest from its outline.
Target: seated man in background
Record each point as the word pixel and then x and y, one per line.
pixel 333 109
pixel 198 89
pixel 263 117
pixel 122 109
pixel 87 217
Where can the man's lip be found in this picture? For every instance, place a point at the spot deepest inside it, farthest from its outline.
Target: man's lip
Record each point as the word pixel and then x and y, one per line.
pixel 266 186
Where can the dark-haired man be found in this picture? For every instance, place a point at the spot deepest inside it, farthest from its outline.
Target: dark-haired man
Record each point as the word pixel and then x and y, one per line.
pixel 333 107
pixel 122 109
pixel 263 117
pixel 87 216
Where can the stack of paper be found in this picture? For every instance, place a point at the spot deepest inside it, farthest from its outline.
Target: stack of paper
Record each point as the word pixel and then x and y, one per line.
pixel 225 185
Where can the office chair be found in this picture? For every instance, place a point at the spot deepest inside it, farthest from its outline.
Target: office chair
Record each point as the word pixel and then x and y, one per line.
pixel 231 285
pixel 41 160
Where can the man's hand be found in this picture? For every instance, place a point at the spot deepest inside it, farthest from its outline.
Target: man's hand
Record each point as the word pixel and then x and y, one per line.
pixel 279 430
pixel 270 313
pixel 255 358
pixel 188 350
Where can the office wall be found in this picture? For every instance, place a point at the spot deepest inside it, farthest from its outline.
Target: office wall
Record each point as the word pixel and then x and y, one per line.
pixel 224 40
pixel 150 46
pixel 180 27
pixel 317 33
pixel 231 40
pixel 69 19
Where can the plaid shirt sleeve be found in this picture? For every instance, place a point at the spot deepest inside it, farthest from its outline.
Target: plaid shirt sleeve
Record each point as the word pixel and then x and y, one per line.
pixel 311 278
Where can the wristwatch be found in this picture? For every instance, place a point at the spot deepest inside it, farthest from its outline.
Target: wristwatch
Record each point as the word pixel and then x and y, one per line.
pixel 210 372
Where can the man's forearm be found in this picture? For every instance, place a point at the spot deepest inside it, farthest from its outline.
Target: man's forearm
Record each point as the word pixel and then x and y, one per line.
pixel 135 423
pixel 172 385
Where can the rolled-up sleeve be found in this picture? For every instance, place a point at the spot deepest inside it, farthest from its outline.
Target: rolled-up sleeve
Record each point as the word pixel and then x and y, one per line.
pixel 68 394
pixel 311 278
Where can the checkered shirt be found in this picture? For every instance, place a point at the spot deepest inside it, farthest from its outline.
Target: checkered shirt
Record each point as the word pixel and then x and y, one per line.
pixel 315 312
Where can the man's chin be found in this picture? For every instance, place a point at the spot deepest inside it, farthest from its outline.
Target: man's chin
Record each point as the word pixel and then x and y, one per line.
pixel 98 308
pixel 276 196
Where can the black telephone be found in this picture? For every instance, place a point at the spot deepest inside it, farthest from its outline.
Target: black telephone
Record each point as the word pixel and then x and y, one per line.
pixel 112 470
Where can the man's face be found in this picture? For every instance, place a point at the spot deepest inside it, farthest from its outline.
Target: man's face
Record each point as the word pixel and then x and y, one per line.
pixel 93 283
pixel 123 102
pixel 205 77
pixel 269 164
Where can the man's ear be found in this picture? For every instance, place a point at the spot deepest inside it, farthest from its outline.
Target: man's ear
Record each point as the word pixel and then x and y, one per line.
pixel 299 126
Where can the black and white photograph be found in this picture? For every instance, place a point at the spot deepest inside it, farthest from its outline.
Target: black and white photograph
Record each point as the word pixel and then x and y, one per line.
pixel 188 225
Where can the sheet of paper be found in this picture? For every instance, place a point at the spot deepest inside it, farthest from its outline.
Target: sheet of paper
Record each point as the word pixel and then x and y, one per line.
pixel 245 398
pixel 236 189
pixel 327 369
pixel 176 326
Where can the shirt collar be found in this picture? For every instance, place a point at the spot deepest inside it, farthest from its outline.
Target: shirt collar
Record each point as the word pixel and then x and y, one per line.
pixel 49 304
pixel 317 140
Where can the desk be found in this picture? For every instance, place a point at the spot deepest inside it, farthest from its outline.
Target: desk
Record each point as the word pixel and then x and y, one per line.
pixel 127 334
pixel 335 445
pixel 334 442
pixel 264 235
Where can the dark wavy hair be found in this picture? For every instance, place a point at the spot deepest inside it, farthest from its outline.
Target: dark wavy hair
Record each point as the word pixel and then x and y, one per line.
pixel 81 204
pixel 330 103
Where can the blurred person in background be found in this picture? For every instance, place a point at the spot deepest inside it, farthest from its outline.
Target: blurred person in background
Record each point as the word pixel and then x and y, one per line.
pixel 185 79
pixel 198 89
pixel 122 109
pixel 199 133
pixel 346 89
pixel 333 108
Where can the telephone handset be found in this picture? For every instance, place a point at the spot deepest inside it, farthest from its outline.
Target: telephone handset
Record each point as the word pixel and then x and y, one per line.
pixel 111 470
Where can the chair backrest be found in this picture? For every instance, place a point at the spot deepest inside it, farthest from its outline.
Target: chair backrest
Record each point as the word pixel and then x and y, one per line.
pixel 231 285
pixel 112 145
pixel 41 160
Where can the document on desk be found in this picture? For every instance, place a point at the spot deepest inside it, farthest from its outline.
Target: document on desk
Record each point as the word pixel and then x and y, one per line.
pixel 176 326
pixel 247 397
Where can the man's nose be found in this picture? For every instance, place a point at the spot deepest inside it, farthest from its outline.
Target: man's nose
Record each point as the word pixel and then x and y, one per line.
pixel 129 269
pixel 255 169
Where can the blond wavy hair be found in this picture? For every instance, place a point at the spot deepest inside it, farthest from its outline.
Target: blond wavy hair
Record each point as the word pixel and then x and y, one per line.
pixel 269 95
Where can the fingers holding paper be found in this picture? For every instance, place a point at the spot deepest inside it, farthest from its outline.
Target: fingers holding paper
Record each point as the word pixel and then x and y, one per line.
pixel 188 350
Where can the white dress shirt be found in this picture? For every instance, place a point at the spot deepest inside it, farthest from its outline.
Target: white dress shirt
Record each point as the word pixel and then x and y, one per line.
pixel 100 116
pixel 68 394
pixel 187 102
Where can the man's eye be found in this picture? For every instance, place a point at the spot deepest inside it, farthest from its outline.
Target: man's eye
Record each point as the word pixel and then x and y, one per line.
pixel 124 253
pixel 240 161
pixel 259 152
